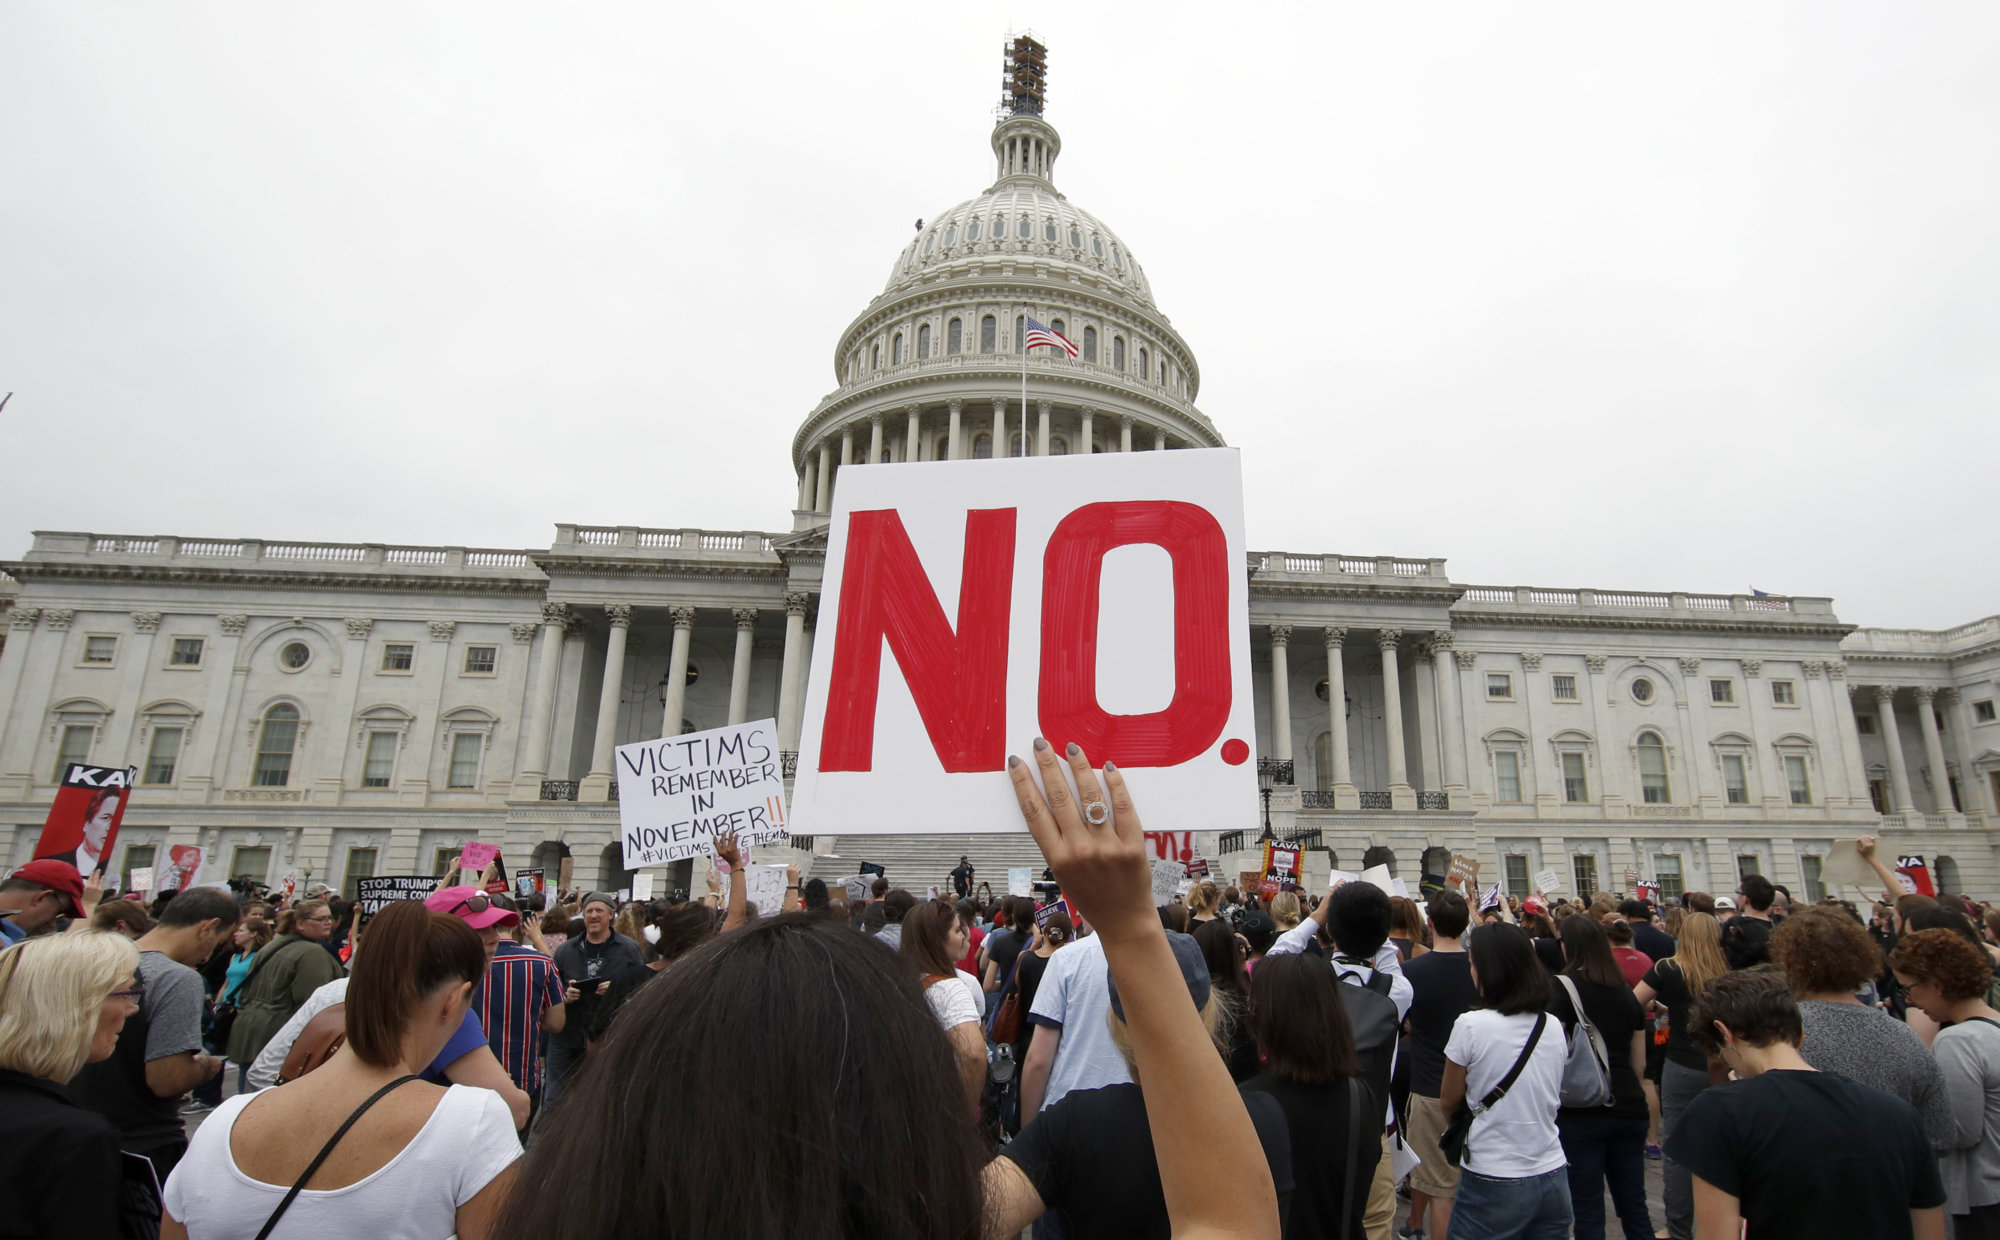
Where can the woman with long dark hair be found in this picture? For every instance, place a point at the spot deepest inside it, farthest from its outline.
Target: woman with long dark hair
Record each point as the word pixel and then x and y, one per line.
pixel 1511 1181
pixel 1604 1143
pixel 1224 952
pixel 933 939
pixel 418 1159
pixel 1301 1029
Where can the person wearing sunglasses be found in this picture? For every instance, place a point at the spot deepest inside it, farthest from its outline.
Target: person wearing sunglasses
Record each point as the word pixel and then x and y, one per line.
pixel 63 999
pixel 282 977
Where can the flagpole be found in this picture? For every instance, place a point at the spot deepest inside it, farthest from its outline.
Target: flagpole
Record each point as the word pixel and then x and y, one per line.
pixel 1024 383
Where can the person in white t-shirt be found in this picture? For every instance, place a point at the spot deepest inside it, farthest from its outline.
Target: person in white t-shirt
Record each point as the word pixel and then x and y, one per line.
pixel 933 939
pixel 1513 1179
pixel 1071 1047
pixel 417 1160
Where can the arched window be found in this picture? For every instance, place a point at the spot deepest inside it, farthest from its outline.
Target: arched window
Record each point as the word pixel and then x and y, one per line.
pixel 1018 446
pixel 950 234
pixel 1144 373
pixel 1075 238
pixel 942 449
pixel 928 243
pixel 875 358
pixel 989 334
pixel 888 457
pixel 1090 344
pixel 1653 770
pixel 1058 325
pixel 1096 245
pixel 1944 870
pixel 1049 231
pixel 275 742
pixel 1118 353
pixel 982 447
pixel 896 350
pixel 1117 259
pixel 1058 446
pixel 954 336
pixel 1020 333
pixel 924 343
pixel 972 231
pixel 1026 229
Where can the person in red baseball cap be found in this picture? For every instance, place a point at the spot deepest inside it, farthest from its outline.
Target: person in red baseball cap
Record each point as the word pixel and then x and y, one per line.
pixel 34 895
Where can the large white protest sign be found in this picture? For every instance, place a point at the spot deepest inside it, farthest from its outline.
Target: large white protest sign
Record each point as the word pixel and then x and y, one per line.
pixel 1167 876
pixel 1020 880
pixel 675 794
pixel 970 606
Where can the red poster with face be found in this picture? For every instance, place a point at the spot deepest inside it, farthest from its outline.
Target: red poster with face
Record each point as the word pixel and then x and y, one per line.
pixel 82 826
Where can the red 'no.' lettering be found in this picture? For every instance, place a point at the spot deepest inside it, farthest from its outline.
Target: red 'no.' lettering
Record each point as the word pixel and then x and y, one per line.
pixel 957 677
pixel 1071 570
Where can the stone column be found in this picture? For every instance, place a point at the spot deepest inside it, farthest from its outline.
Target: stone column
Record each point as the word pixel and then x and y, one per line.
pixel 806 486
pixel 1451 715
pixel 874 439
pixel 1042 410
pixel 1401 795
pixel 823 499
pixel 1159 441
pixel 1344 796
pixel 1971 790
pixel 1087 446
pixel 1281 693
pixel 535 747
pixel 1892 740
pixel 913 438
pixel 1849 733
pixel 677 672
pixel 793 672
pixel 739 672
pixel 956 443
pixel 597 785
pixel 1124 434
pixel 1001 448
pixel 1933 749
pixel 846 458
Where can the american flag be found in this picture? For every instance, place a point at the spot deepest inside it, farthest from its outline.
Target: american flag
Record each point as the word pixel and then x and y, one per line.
pixel 1039 335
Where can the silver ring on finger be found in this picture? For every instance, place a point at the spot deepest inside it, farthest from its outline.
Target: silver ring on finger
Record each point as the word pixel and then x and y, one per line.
pixel 1096 813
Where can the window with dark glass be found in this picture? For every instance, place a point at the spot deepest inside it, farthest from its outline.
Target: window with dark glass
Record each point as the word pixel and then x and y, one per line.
pixel 954 337
pixel 989 334
pixel 275 742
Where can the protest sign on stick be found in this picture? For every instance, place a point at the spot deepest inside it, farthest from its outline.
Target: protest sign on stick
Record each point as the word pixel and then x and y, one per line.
pixel 142 880
pixel 183 868
pixel 1549 882
pixel 476 856
pixel 988 583
pixel 1167 877
pixel 1020 880
pixel 676 794
pixel 82 824
pixel 1464 870
pixel 642 887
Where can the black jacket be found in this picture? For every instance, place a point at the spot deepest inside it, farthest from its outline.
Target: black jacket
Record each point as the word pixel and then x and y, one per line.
pixel 60 1165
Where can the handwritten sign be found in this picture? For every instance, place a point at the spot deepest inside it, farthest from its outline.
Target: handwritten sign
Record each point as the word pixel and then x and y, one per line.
pixel 1464 870
pixel 988 584
pixel 142 879
pixel 372 895
pixel 675 794
pixel 642 886
pixel 764 887
pixel 1549 881
pixel 1020 880
pixel 1167 877
pixel 476 856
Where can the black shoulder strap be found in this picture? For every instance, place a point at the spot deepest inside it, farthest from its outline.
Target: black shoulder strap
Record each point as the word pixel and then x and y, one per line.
pixel 1514 1073
pixel 1359 1096
pixel 1984 1020
pixel 327 1150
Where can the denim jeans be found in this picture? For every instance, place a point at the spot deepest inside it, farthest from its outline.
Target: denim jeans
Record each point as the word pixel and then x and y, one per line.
pixel 1603 1147
pixel 562 1065
pixel 1534 1207
pixel 1678 1086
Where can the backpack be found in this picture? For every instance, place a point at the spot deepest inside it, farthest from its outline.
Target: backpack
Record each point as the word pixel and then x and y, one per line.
pixel 1373 1014
pixel 1586 1080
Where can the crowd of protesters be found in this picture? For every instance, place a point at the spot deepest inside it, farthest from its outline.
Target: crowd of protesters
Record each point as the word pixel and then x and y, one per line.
pixel 863 1062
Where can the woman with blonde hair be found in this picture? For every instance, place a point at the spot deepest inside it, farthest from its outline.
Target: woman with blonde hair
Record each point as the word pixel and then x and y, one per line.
pixel 63 999
pixel 1285 911
pixel 1673 984
pixel 1202 901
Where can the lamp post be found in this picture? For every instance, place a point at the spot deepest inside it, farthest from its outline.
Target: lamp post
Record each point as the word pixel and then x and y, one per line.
pixel 1268 835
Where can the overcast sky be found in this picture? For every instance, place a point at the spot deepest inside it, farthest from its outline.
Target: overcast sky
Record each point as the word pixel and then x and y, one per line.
pixel 1696 298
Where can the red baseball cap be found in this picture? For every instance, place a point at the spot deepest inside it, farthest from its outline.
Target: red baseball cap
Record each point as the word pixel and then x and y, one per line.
pixel 459 902
pixel 58 876
pixel 1534 904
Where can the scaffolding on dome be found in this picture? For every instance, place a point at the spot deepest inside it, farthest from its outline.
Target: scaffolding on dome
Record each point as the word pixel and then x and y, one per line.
pixel 1024 76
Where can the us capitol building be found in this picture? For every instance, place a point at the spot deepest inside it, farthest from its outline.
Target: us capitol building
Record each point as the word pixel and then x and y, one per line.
pixel 346 709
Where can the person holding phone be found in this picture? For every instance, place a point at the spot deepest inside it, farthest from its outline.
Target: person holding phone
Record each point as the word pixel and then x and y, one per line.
pixel 586 964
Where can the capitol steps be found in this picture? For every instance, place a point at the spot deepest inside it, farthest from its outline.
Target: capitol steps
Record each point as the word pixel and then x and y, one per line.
pixel 915 862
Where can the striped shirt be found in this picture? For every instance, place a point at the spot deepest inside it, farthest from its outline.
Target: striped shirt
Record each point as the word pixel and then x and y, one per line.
pixel 521 984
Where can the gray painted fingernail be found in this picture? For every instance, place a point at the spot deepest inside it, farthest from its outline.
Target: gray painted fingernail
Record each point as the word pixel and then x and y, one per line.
pixel 1073 750
pixel 1110 766
pixel 1012 762
pixel 1041 746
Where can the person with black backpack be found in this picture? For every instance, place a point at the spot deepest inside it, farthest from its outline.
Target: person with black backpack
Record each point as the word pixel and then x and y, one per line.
pixel 1606 1142
pixel 1377 997
pixel 1506 1059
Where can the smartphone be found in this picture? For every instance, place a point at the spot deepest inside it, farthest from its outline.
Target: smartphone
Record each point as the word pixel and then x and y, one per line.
pixel 588 985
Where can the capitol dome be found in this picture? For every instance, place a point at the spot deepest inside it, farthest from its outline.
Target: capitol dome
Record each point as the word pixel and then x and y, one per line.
pixel 933 368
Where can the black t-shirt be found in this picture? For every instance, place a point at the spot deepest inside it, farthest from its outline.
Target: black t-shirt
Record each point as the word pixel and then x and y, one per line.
pixel 1442 982
pixel 1616 1012
pixel 1028 981
pixel 1652 940
pixel 1671 988
pixel 1550 953
pixel 579 959
pixel 961 878
pixel 1811 1155
pixel 1091 1158
pixel 1746 941
pixel 1316 1117
pixel 1003 946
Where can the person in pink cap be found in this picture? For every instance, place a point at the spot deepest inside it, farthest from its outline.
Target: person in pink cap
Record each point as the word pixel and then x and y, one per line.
pixel 476 909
